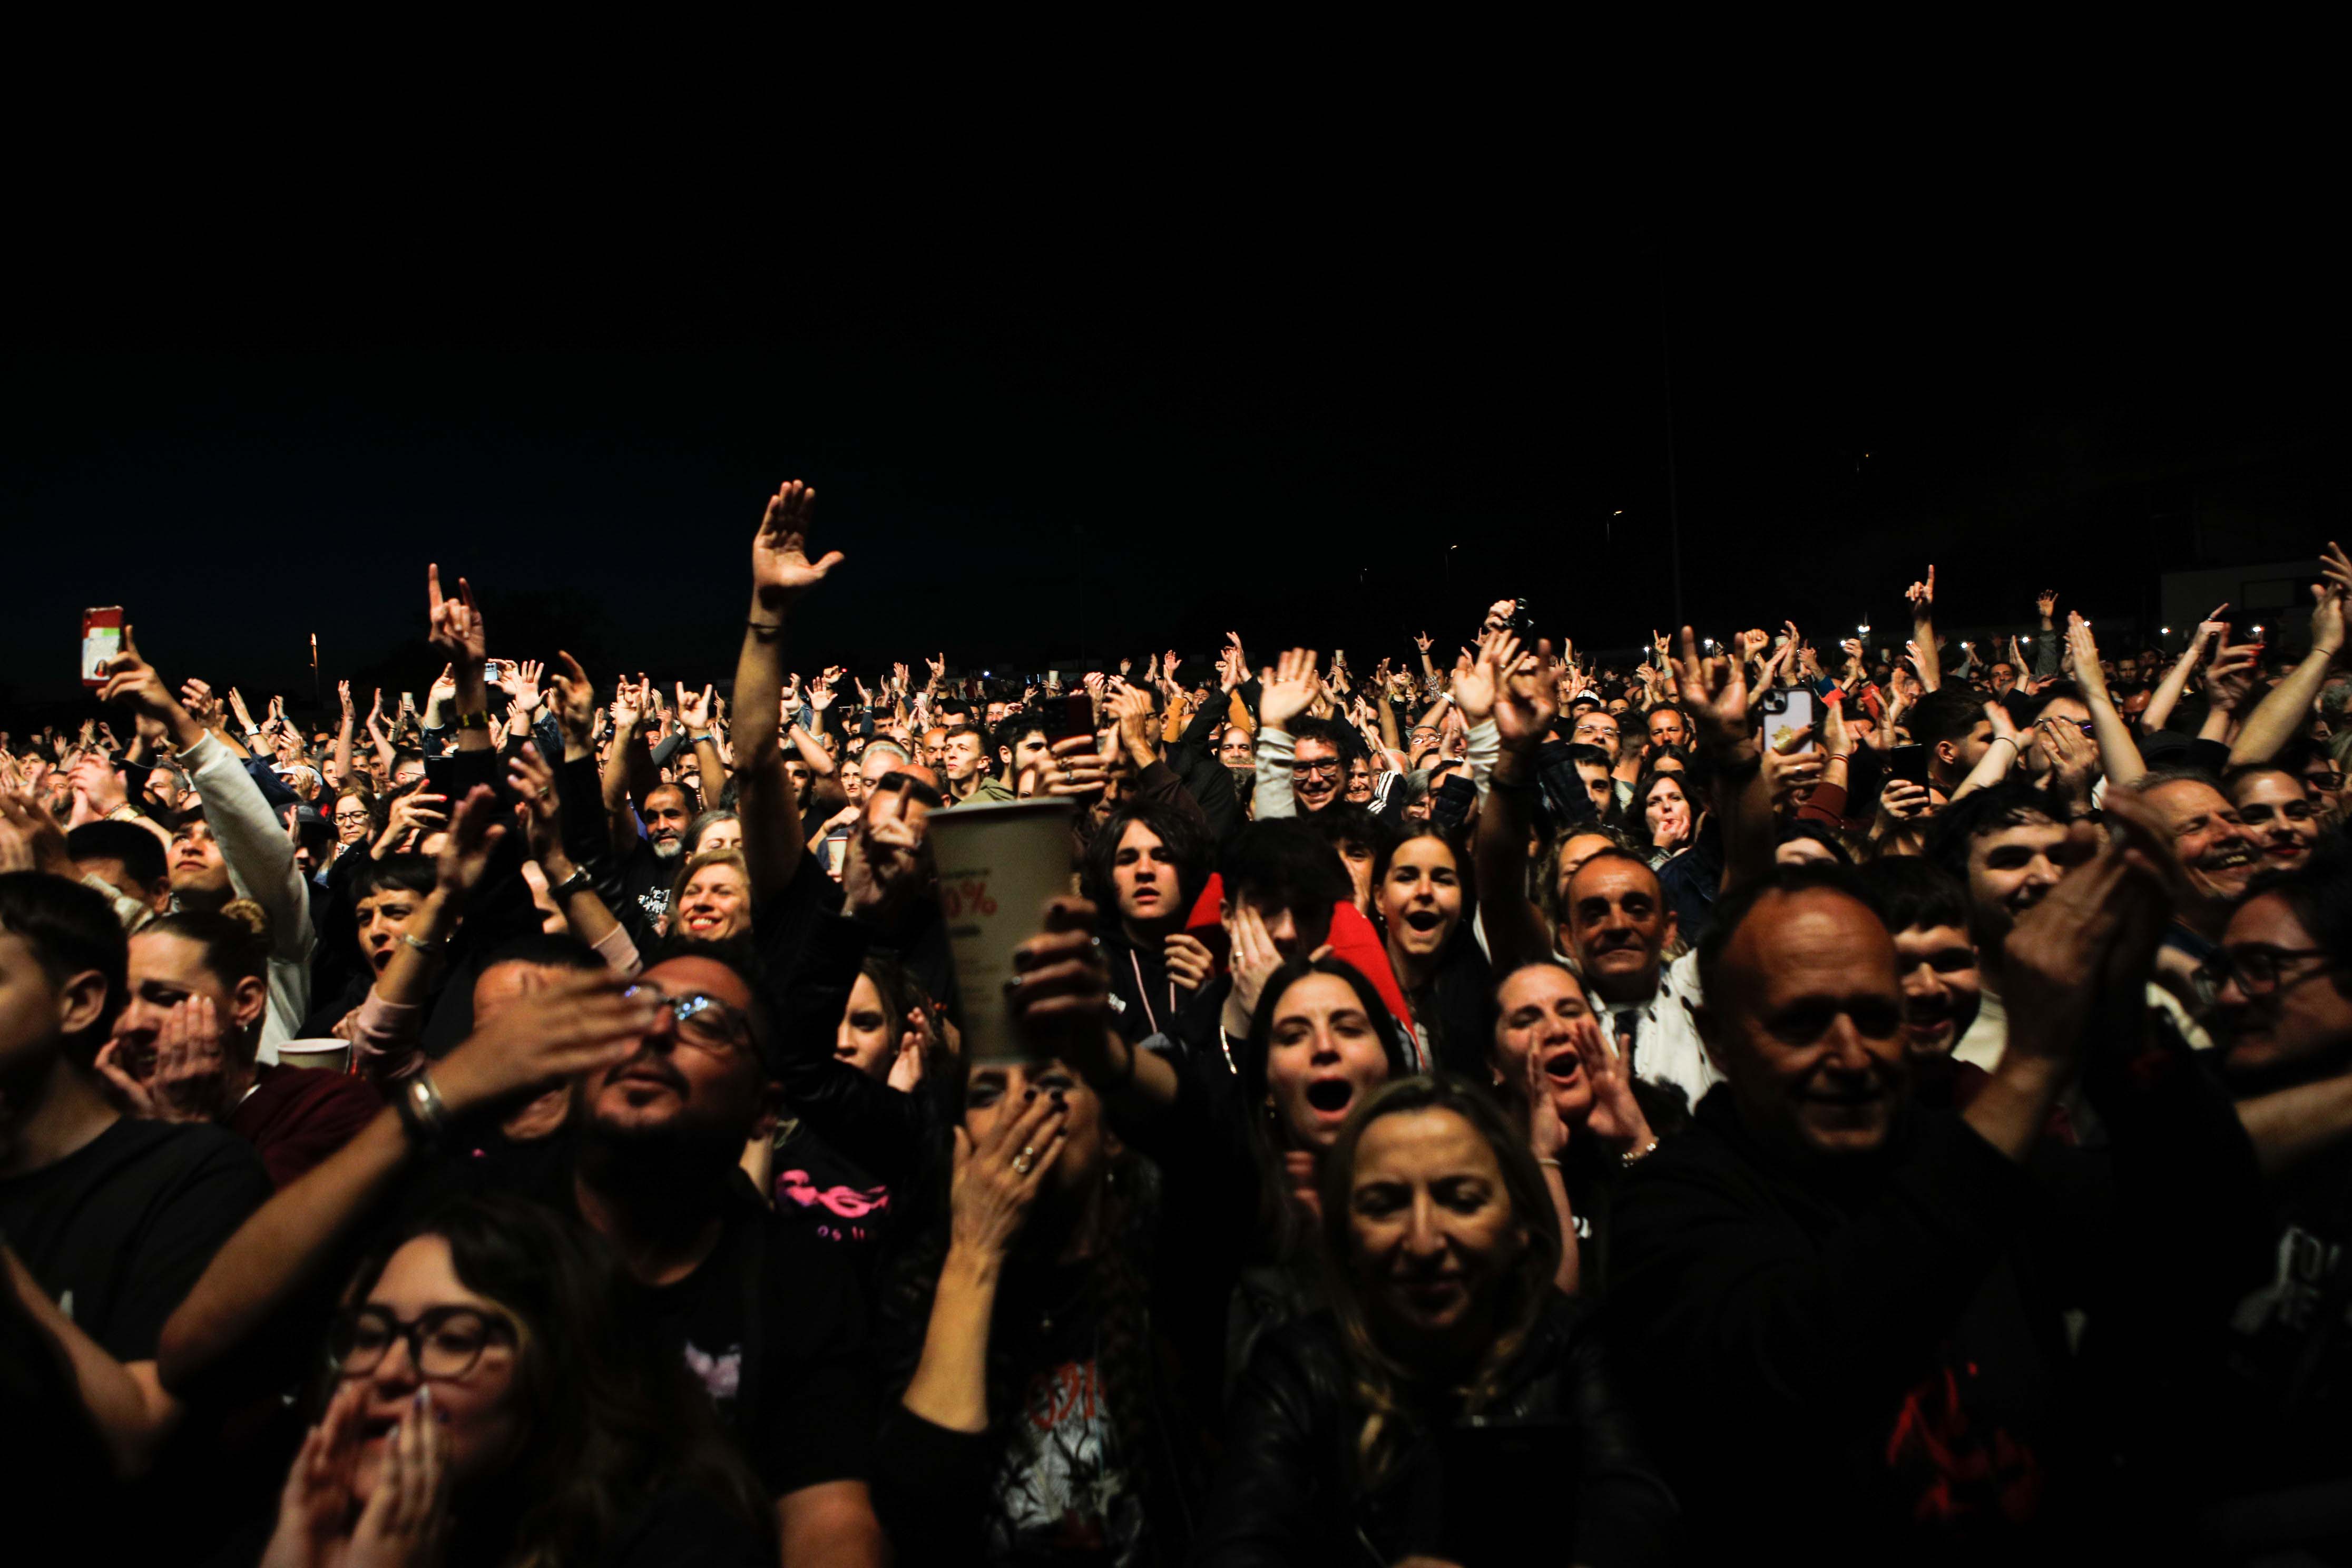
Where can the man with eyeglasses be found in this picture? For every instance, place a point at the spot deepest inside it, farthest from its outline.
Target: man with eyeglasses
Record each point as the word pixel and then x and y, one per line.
pixel 2278 1372
pixel 668 1077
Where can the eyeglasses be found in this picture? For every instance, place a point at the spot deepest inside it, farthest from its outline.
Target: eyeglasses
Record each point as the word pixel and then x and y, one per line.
pixel 444 1342
pixel 703 1020
pixel 350 816
pixel 2255 966
pixel 1327 767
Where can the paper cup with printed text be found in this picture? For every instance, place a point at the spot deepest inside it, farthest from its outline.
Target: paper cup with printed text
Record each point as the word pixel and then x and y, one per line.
pixel 998 865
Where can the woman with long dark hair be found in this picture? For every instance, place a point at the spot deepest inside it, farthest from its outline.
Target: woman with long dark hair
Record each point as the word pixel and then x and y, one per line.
pixel 493 1401
pixel 1423 893
pixel 1448 1383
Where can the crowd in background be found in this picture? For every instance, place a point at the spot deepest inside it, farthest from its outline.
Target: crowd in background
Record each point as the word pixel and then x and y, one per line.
pixel 1869 1104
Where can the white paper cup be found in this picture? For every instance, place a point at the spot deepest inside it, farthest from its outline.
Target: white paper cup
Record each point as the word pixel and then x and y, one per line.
pixel 333 1055
pixel 999 863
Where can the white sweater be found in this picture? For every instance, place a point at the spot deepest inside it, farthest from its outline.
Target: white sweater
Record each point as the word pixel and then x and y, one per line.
pixel 261 859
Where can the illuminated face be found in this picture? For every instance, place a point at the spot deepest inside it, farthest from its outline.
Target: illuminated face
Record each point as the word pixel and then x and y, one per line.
pixel 715 903
pixel 1667 811
pixel 196 868
pixel 385 914
pixel 475 1410
pixel 960 757
pixel 1668 727
pixel 994 1091
pixel 1317 773
pixel 864 1039
pixel 2212 842
pixel 726 833
pixel 1238 748
pixel 1323 1055
pixel 1538 1009
pixel 2296 1017
pixel 666 817
pixel 2277 810
pixel 1598 785
pixel 1432 1232
pixel 1597 729
pixel 1619 924
pixel 2012 869
pixel 1143 877
pixel 1809 1029
pixel 353 822
pixel 1941 988
pixel 1420 899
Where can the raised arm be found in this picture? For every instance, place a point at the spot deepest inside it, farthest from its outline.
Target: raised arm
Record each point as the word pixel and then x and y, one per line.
pixel 1525 706
pixel 2176 679
pixel 780 573
pixel 1922 596
pixel 2287 707
pixel 1715 695
pixel 2117 753
pixel 343 735
pixel 695 713
pixel 577 1023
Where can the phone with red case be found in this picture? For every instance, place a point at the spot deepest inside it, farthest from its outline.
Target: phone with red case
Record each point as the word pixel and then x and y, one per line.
pixel 101 640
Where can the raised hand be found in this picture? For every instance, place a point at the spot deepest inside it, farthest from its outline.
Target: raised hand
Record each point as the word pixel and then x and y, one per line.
pixel 131 679
pixel 1922 596
pixel 444 687
pixel 1526 700
pixel 2229 679
pixel 577 1022
pixel 522 681
pixel 1420 641
pixel 1286 689
pixel 455 625
pixel 781 568
pixel 575 700
pixel 2047 603
pixel 1714 694
pixel 417 813
pixel 938 665
pixel 628 709
pixel 343 691
pixel 2082 657
pixel 693 711
pixel 473 833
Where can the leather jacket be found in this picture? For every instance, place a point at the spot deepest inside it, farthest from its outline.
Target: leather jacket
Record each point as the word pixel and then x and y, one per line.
pixel 1289 1489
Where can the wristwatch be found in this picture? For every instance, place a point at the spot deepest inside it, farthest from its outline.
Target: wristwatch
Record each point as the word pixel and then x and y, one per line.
pixel 578 882
pixel 477 720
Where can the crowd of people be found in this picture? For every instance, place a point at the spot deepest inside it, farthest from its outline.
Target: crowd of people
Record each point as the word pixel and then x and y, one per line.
pixel 1888 1105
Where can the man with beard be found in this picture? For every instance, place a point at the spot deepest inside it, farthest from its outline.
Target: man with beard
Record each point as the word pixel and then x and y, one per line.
pixel 646 843
pixel 668 1074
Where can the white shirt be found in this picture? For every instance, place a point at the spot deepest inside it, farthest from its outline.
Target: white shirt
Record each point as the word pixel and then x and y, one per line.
pixel 1666 1046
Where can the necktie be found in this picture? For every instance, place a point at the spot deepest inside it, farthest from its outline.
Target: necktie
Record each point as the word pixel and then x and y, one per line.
pixel 1628 1029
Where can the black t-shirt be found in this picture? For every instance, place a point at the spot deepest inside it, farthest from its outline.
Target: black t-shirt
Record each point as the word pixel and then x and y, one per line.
pixel 834 1198
pixel 774 1325
pixel 117 1231
pixel 645 878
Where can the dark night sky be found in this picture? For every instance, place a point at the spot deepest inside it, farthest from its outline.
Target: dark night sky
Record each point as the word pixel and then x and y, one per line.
pixel 1263 387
